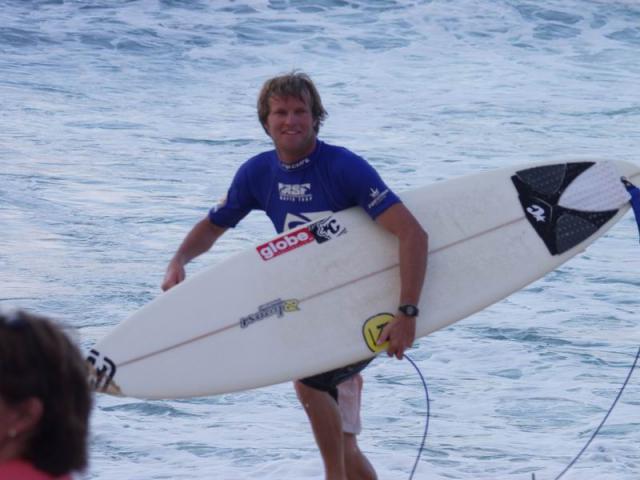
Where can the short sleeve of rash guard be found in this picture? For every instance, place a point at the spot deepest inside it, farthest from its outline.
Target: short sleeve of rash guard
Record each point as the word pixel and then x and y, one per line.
pixel 366 187
pixel 237 204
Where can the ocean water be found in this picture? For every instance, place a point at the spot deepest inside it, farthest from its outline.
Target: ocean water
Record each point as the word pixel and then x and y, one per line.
pixel 123 121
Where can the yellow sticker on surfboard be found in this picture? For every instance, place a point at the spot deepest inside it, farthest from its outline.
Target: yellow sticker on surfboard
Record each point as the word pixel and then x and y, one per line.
pixel 372 329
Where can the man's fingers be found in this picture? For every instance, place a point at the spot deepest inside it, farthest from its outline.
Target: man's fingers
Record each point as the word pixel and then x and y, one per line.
pixel 384 335
pixel 172 278
pixel 169 282
pixel 396 338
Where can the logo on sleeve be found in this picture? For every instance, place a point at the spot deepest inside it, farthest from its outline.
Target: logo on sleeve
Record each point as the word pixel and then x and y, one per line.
pixel 221 203
pixel 377 197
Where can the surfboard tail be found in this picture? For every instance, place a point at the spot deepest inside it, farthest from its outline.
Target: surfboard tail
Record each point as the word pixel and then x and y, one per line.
pixel 567 203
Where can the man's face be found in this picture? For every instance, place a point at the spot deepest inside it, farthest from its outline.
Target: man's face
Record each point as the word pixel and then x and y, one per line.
pixel 290 125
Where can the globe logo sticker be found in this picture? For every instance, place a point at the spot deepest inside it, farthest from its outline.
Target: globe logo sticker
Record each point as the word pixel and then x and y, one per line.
pixel 372 329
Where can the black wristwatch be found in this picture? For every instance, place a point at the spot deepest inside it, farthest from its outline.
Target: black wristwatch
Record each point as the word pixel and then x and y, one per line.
pixel 409 310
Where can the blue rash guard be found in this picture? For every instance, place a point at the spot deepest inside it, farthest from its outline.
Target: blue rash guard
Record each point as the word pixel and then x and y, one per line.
pixel 329 180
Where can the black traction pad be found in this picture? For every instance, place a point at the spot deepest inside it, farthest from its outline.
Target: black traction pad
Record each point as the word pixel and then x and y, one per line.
pixel 540 189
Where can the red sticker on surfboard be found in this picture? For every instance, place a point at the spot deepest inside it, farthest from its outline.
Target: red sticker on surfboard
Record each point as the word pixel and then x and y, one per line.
pixel 285 243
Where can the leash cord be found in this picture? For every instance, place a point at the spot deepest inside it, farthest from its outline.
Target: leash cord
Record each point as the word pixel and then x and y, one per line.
pixel 634 194
pixel 426 425
pixel 575 459
pixel 595 433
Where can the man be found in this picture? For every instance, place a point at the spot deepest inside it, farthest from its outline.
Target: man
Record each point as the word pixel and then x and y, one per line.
pixel 301 180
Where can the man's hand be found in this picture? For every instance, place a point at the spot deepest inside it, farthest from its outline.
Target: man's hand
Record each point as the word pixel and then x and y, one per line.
pixel 200 239
pixel 400 332
pixel 174 275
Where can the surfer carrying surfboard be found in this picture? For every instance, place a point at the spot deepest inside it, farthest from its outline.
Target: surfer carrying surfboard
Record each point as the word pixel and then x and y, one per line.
pixel 302 180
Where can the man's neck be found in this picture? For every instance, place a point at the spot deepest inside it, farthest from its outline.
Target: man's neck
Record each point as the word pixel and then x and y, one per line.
pixel 289 159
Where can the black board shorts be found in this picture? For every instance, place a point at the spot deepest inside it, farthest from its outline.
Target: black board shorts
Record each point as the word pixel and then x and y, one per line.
pixel 328 381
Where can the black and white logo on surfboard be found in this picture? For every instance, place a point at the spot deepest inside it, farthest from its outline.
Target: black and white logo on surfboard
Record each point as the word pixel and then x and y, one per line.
pixel 326 229
pixel 557 201
pixel 101 372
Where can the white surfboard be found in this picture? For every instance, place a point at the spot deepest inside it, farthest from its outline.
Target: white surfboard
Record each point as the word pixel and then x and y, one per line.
pixel 314 298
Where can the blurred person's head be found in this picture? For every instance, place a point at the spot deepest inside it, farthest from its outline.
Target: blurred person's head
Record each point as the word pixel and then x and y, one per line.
pixel 45 400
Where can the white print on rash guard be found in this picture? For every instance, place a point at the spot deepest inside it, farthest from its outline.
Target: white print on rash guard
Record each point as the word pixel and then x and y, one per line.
pixel 295 192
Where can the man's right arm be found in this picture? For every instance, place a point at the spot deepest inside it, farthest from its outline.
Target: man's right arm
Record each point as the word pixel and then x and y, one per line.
pixel 200 239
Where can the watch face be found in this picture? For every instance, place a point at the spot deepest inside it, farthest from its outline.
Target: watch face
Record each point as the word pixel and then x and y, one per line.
pixel 409 310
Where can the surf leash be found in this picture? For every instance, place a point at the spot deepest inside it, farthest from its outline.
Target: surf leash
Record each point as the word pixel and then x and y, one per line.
pixel 634 193
pixel 427 416
pixel 597 430
pixel 635 199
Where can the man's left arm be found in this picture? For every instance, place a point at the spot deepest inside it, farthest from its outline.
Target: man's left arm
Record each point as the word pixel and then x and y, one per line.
pixel 413 244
